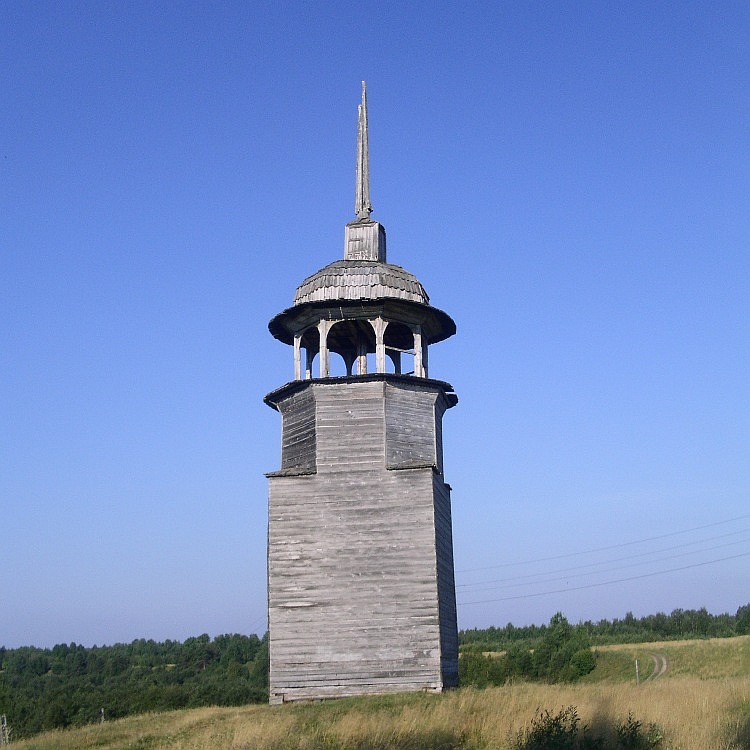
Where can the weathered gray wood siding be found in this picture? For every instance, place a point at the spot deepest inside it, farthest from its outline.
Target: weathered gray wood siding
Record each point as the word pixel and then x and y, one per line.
pixel 410 426
pixel 357 555
pixel 298 431
pixel 441 404
pixel 446 583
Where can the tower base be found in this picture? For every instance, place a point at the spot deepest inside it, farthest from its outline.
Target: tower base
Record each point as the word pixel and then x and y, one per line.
pixel 360 556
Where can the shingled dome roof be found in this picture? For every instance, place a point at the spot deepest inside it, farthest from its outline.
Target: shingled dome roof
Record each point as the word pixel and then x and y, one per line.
pixel 360 279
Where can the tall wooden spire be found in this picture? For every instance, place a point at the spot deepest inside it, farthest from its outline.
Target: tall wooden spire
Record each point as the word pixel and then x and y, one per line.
pixel 362 205
pixel 364 238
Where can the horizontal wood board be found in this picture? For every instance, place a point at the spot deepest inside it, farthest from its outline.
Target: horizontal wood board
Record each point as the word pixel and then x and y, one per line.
pixel 358 558
pixel 298 431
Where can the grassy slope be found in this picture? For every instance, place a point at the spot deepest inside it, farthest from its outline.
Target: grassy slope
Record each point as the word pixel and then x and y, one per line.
pixel 702 703
pixel 706 659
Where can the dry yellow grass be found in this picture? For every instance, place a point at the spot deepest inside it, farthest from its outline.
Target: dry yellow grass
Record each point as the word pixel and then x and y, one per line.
pixel 702 703
pixel 694 714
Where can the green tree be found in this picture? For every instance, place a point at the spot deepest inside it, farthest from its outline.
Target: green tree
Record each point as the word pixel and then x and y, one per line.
pixel 564 653
pixel 481 670
pixel 742 620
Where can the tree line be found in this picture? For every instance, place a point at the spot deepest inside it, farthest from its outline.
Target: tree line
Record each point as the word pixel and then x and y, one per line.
pixel 681 624
pixel 71 685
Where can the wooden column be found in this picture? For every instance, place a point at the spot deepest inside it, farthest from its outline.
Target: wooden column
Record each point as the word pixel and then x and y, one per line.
pixel 379 325
pixel 395 356
pixel 309 357
pixel 323 327
pixel 297 357
pixel 361 358
pixel 419 371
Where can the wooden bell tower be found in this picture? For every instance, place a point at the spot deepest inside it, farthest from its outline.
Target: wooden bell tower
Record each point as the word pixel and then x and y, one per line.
pixel 361 593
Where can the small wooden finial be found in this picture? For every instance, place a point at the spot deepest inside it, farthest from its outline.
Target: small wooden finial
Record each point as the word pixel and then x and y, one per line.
pixel 362 205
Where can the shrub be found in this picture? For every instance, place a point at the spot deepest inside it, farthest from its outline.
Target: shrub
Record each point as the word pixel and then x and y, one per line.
pixel 564 731
pixel 560 731
pixel 480 670
pixel 631 736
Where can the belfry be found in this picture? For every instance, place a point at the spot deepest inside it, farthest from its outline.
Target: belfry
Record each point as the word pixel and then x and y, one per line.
pixel 361 593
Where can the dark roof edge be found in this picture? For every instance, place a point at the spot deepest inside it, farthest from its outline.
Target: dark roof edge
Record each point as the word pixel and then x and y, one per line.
pixel 279 331
pixel 295 386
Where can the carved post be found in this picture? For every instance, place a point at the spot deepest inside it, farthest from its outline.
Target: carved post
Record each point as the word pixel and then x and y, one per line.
pixel 349 360
pixel 297 357
pixel 361 358
pixel 309 357
pixel 379 325
pixel 323 327
pixel 418 361
pixel 395 356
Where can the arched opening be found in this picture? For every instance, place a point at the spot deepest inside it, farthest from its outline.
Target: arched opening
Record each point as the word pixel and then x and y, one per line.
pixel 358 346
pixel 309 348
pixel 353 340
pixel 337 366
pixel 399 348
pixel 372 364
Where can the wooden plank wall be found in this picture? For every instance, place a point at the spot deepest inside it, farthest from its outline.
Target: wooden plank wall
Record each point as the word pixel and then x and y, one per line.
pixel 298 448
pixel 410 426
pixel 357 556
pixel 446 583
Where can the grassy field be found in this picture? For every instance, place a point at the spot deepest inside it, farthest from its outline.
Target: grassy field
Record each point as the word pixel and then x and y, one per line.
pixel 714 658
pixel 701 703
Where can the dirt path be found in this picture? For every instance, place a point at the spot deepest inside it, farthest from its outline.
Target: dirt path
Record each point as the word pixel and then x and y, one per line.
pixel 661 665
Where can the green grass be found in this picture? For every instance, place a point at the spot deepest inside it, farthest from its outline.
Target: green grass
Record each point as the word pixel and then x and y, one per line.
pixel 702 703
pixel 706 659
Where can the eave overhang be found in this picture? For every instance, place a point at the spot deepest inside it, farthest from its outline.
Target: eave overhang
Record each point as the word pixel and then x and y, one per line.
pixel 436 325
pixel 295 386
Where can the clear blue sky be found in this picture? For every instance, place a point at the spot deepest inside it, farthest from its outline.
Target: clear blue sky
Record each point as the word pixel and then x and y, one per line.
pixel 570 181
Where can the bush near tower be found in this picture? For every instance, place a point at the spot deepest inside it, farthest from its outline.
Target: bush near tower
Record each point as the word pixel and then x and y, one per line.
pixel 562 655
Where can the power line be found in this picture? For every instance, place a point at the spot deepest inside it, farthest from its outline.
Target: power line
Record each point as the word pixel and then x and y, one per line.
pixel 598 564
pixel 604 549
pixel 490 585
pixel 606 583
